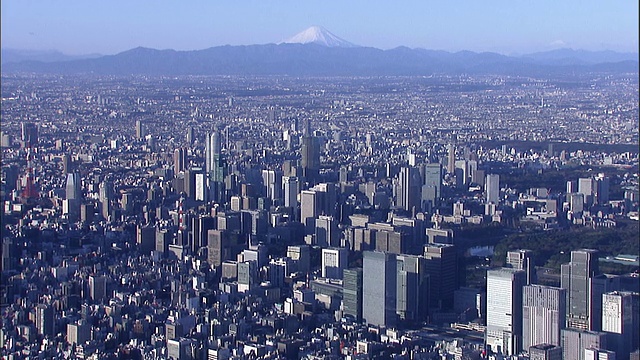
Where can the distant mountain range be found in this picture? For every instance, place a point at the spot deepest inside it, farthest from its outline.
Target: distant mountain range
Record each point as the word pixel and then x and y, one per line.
pixel 15 55
pixel 318 52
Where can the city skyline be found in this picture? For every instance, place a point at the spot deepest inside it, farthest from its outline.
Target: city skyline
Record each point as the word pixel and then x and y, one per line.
pixel 76 28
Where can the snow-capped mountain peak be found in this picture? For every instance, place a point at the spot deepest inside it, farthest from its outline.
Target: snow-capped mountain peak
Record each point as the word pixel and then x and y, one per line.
pixel 318 35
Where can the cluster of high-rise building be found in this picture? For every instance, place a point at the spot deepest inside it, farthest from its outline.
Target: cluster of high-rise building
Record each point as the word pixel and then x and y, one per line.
pixel 588 312
pixel 193 219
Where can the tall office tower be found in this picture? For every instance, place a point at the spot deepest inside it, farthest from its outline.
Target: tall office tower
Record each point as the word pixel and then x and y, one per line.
pixel 572 186
pixel 10 254
pixel 574 342
pixel 463 175
pixel 344 175
pixel 432 189
pixel 300 254
pixel 214 166
pixel 29 134
pixel 442 268
pixel 310 151
pixel 190 183
pixel 576 278
pixel 278 269
pixel 201 191
pixel 79 332
pixel 602 189
pixel 66 164
pixel 451 159
pixel 334 261
pixel 379 276
pixel 199 229
pixel 74 186
pixel 218 247
pixel 190 135
pixel 543 315
pixel 327 232
pixel 140 130
pixel 504 310
pixel 179 160
pixel 163 240
pixel 352 292
pixel 272 181
pixel 408 189
pixel 600 285
pixel 523 260
pixel 45 322
pixel 98 288
pixel 576 202
pixel 247 275
pixel 620 312
pixel 492 188
pixel 310 209
pixel 412 284
pixel 587 187
pixel 105 196
pixel 146 239
pixel 545 352
pixel 291 188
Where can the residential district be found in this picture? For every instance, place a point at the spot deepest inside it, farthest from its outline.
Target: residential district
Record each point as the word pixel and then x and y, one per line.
pixel 316 218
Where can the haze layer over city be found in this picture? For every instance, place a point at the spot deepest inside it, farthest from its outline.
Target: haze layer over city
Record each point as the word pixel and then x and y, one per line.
pixel 400 188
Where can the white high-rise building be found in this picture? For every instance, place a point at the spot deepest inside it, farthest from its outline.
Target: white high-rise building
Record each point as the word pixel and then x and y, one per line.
pixel 334 261
pixel 620 313
pixel 543 315
pixel 504 310
pixel 290 186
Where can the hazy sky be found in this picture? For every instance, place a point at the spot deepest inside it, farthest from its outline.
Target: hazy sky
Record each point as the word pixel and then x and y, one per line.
pixel 507 26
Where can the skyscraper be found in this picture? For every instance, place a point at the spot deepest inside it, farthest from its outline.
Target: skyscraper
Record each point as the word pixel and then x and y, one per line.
pixel 74 186
pixel 310 152
pixel 179 160
pixel 442 266
pixel 29 134
pixel 98 288
pixel 431 190
pixel 45 322
pixel 408 189
pixel 327 232
pixel 523 260
pixel 352 292
pixel 543 315
pixel 620 313
pixel 272 181
pixel 576 278
pixel 334 261
pixel 412 284
pixel 309 209
pixel 492 188
pixel 587 187
pixel 574 342
pixel 290 186
pixel 140 130
pixel 504 310
pixel 451 158
pixel 379 276
pixel 214 166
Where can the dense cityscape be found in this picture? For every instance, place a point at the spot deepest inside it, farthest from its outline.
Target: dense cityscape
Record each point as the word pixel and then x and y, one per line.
pixel 274 217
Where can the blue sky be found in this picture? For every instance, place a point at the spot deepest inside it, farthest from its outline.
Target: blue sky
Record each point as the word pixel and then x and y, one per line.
pixel 509 26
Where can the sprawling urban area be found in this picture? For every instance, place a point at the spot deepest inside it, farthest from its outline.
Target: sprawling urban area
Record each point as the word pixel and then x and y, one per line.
pixel 274 217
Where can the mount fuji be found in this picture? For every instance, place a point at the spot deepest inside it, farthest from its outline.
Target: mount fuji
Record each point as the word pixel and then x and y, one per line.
pixel 320 36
